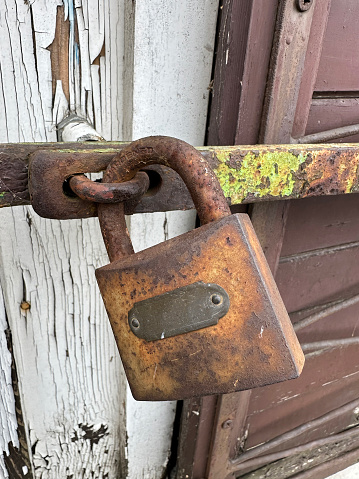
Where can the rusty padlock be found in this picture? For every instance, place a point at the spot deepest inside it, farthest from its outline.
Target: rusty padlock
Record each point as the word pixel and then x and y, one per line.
pixel 198 314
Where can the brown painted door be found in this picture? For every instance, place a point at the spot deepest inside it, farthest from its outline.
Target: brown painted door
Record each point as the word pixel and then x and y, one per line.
pixel 285 70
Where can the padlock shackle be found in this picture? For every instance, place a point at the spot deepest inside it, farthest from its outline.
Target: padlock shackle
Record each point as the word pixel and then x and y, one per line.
pixel 202 183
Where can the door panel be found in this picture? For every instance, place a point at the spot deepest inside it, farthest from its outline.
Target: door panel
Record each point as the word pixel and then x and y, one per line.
pixel 315 277
pixel 320 223
pixel 317 265
pixel 340 49
pixel 286 406
pixel 329 113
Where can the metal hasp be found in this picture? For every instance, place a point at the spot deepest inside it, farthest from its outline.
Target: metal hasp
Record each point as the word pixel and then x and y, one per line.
pixel 196 306
pixel 99 192
pixel 252 345
pixel 247 174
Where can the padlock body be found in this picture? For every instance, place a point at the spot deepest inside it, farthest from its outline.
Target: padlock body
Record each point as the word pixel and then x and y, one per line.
pixel 252 345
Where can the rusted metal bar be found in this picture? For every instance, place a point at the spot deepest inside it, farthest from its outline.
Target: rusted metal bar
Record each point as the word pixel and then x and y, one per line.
pixel 329 135
pixel 330 344
pixel 247 174
pixel 257 462
pixel 330 308
pixel 265 449
pixel 260 455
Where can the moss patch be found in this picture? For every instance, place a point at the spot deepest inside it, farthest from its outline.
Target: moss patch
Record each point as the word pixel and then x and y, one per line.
pixel 258 174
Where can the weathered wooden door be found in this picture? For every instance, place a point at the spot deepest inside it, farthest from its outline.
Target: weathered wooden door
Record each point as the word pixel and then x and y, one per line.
pixel 130 69
pixel 284 70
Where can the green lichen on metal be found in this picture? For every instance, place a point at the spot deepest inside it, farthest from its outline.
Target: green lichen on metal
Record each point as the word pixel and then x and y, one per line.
pixel 257 173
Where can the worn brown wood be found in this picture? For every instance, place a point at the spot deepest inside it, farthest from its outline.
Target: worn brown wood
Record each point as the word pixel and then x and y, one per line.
pixel 256 63
pixel 242 58
pixel 325 374
pixel 320 270
pixel 193 451
pixel 321 460
pixel 285 72
pixel 340 49
pixel 320 223
pixel 231 427
pixel 342 418
pixel 311 65
pixel 340 323
pixel 229 436
pixel 334 465
pixel 198 415
pixel 329 113
pixel 310 278
pixel 228 441
pixel 269 221
pixel 271 414
pixel 328 376
pixel 230 53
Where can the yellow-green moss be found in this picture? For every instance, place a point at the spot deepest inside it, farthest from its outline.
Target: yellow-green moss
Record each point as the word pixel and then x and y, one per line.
pixel 268 174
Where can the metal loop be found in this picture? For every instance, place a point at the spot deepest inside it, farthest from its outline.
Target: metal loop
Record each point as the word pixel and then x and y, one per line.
pixel 99 192
pixel 202 183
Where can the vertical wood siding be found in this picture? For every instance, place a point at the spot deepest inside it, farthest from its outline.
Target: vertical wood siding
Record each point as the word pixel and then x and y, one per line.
pixel 131 69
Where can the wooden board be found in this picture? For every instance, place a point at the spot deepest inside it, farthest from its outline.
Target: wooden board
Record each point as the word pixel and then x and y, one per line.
pixel 171 51
pixel 315 277
pixel 266 413
pixel 320 223
pixel 107 62
pixel 320 251
pixel 328 113
pixel 339 64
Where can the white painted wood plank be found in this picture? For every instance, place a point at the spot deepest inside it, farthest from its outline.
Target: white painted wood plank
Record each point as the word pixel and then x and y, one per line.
pixel 96 96
pixel 169 47
pixel 96 27
pixel 44 22
pixel 68 360
pixel 8 422
pixel 61 105
pixel 71 380
pixel 351 472
pixel 63 345
pixel 173 54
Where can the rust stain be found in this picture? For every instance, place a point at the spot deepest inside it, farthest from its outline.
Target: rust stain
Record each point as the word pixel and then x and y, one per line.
pixel 331 173
pixel 251 346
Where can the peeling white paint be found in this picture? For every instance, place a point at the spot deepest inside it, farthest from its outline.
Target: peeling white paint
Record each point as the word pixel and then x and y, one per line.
pixel 64 349
pixel 71 381
pixel 8 422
